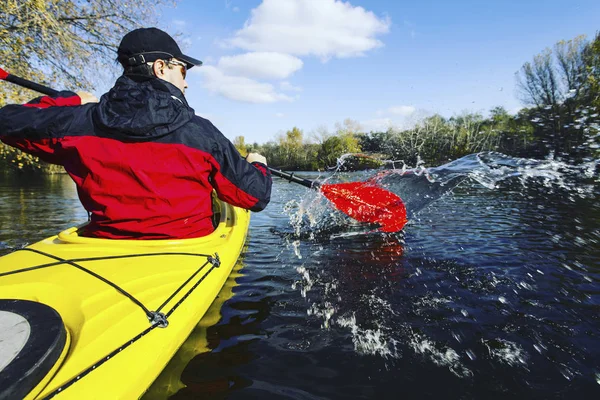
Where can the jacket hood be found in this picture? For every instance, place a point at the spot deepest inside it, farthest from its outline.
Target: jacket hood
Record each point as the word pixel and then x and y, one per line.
pixel 141 109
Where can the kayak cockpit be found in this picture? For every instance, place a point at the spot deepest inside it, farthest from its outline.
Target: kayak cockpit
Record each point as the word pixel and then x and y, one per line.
pixel 33 342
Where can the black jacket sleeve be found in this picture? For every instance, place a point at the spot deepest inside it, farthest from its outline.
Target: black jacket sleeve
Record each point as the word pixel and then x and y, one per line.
pixel 235 180
pixel 37 127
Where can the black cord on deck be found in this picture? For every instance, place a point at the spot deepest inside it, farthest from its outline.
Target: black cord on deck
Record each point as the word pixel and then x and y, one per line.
pixel 157 319
pixel 95 275
pixel 103 258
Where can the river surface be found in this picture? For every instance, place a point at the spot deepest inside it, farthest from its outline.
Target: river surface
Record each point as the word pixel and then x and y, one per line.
pixel 491 291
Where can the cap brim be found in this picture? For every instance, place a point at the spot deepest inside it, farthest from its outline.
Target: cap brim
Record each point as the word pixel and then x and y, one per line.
pixel 190 61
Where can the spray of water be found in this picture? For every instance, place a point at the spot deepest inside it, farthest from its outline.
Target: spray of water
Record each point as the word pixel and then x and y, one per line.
pixel 420 186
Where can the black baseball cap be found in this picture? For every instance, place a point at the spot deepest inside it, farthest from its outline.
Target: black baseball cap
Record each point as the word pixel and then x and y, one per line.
pixel 150 44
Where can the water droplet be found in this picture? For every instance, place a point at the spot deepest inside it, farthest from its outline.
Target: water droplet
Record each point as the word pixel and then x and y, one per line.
pixel 471 355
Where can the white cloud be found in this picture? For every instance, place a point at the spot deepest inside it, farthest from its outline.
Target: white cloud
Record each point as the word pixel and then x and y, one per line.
pixel 285 85
pixel 261 65
pixel 404 111
pixel 378 125
pixel 235 9
pixel 280 115
pixel 179 23
pixel 239 88
pixel 395 117
pixel 324 28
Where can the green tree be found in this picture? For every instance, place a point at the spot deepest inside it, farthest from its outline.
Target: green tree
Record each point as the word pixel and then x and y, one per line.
pixel 293 143
pixel 591 59
pixel 336 146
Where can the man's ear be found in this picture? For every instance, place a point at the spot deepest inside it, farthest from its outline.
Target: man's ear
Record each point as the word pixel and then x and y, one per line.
pixel 158 68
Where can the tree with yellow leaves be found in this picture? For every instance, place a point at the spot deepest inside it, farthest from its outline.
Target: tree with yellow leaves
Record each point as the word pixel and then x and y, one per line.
pixel 67 44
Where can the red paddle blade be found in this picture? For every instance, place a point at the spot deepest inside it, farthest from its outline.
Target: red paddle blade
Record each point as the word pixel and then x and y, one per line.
pixel 366 202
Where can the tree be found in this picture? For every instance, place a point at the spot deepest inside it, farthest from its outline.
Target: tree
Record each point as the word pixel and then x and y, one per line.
pixel 65 43
pixel 68 43
pixel 240 144
pixel 553 85
pixel 570 59
pixel 335 146
pixel 320 134
pixel 591 60
pixel 348 127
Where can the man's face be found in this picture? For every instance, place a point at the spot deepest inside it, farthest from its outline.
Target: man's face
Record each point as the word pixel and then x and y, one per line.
pixel 172 71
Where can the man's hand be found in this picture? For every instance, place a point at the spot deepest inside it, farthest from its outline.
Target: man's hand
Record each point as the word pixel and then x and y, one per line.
pixel 87 98
pixel 255 157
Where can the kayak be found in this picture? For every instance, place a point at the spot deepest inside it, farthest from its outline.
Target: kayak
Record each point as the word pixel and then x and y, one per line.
pixel 169 382
pixel 88 318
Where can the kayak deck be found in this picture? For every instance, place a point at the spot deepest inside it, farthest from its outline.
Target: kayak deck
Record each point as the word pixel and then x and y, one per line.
pixel 127 305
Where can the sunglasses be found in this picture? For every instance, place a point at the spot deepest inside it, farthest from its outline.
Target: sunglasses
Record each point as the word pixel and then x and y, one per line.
pixel 180 64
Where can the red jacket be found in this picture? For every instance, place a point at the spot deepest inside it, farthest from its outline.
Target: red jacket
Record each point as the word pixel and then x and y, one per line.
pixel 144 164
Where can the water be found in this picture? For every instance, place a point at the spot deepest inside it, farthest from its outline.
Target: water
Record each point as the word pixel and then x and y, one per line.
pixel 492 290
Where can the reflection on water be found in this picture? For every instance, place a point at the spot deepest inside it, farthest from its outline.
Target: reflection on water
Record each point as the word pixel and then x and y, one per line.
pixel 492 290
pixel 32 208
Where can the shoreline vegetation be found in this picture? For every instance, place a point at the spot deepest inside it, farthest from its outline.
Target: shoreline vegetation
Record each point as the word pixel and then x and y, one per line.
pixel 559 89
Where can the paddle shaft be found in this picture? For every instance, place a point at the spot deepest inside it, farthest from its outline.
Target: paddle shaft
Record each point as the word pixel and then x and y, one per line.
pixel 27 83
pixel 290 177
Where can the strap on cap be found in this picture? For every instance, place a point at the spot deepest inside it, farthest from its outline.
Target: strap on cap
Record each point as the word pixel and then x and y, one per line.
pixel 138 59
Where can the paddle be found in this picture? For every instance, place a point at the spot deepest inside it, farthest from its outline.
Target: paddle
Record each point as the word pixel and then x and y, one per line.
pixel 362 201
pixel 26 83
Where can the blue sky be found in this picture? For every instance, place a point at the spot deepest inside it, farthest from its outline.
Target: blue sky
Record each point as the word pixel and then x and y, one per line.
pixel 271 65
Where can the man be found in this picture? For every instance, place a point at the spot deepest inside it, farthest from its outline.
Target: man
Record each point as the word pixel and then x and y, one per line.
pixel 144 164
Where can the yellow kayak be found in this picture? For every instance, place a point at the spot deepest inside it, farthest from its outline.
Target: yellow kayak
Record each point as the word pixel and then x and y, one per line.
pixel 169 381
pixel 86 318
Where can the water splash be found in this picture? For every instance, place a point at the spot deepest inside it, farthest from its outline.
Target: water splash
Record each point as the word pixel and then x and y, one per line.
pixel 440 355
pixel 369 341
pixel 420 186
pixel 343 291
pixel 506 352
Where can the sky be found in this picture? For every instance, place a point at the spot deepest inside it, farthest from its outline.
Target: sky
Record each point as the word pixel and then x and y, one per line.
pixel 271 65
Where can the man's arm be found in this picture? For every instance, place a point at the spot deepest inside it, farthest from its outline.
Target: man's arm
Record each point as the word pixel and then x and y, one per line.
pixel 35 127
pixel 237 181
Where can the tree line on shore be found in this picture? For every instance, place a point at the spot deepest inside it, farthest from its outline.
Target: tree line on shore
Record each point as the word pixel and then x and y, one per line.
pixel 559 88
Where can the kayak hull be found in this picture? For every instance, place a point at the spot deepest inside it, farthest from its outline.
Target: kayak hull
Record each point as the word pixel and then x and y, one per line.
pixel 126 305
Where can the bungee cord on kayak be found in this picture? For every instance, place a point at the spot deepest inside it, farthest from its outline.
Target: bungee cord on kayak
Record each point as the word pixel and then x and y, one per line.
pixel 152 315
pixel 215 263
pixel 155 322
pixel 156 318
